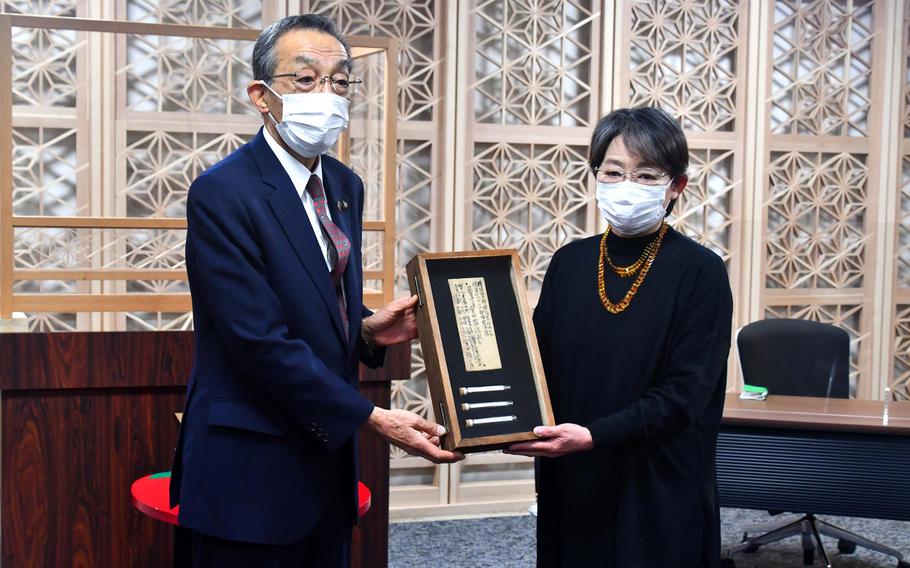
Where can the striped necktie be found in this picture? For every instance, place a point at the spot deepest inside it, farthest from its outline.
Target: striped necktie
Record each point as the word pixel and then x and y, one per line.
pixel 339 244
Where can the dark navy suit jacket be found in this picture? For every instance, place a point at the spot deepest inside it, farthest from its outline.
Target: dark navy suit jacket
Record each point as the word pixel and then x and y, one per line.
pixel 272 405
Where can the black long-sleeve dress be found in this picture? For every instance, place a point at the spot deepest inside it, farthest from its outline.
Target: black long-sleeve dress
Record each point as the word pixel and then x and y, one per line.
pixel 649 384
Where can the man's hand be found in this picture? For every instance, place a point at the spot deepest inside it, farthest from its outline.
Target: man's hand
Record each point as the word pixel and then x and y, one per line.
pixel 395 323
pixel 412 434
pixel 555 441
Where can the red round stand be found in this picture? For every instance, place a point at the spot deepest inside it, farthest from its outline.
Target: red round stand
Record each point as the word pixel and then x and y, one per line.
pixel 150 495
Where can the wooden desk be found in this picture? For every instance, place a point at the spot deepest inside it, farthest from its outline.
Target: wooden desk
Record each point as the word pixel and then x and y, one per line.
pixel 86 414
pixel 811 413
pixel 824 456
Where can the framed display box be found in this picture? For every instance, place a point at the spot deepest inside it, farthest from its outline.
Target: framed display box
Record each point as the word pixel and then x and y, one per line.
pixel 483 364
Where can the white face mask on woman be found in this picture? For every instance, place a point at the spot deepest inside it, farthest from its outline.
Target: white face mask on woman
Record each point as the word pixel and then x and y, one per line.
pixel 632 208
pixel 311 122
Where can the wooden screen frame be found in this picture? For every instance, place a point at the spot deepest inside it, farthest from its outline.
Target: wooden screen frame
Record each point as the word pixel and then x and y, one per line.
pixel 438 378
pixel 155 302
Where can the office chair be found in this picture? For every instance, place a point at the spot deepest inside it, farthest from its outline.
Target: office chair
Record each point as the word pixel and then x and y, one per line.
pixel 798 358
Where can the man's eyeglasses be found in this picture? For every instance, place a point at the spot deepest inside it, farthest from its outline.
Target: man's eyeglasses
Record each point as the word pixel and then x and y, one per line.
pixel 644 176
pixel 343 85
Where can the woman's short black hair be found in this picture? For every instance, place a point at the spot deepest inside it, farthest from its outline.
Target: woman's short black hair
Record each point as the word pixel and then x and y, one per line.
pixel 647 132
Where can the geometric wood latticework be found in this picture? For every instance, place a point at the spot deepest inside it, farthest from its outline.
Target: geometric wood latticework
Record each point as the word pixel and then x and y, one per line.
pixel 531 197
pixel 43 322
pixel 816 220
pixel 162 84
pixel 167 83
pixel 823 65
pixel 45 165
pixel 414 204
pixel 189 75
pixel 109 126
pixel 49 159
pixel 705 210
pixel 900 381
pixel 821 78
pixel 71 248
pixel 222 13
pixel 900 324
pixel 161 165
pixel 683 58
pixel 42 7
pixel 366 132
pixel 414 25
pixel 531 65
pixel 45 67
pixel 902 256
pixel 532 62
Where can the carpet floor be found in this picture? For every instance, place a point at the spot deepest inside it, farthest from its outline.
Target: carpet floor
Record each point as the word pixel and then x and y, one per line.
pixel 505 542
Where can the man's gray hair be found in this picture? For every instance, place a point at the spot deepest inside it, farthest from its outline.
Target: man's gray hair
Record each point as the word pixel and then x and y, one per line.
pixel 265 57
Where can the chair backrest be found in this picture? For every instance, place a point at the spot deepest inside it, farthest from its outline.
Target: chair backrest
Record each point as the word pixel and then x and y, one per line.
pixel 796 357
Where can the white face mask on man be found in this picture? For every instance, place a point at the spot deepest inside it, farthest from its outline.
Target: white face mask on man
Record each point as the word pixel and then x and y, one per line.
pixel 632 208
pixel 311 122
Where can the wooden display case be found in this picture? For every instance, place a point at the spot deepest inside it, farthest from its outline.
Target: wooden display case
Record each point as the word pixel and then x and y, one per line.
pixel 483 365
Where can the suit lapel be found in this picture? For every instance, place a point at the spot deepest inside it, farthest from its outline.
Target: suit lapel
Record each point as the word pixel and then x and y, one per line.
pixel 335 192
pixel 292 217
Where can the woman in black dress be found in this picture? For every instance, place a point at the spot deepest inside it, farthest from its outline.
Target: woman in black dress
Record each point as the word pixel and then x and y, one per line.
pixel 634 331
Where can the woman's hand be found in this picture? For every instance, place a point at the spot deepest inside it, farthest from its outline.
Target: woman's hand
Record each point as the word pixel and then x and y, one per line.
pixel 555 441
pixel 395 323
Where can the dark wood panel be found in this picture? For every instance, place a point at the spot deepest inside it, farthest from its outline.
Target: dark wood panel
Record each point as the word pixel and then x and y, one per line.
pixel 68 460
pixel 85 414
pixel 94 360
pixel 371 549
pixel 371 543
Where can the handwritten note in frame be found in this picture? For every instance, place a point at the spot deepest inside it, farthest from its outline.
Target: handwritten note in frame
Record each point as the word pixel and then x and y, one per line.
pixel 475 324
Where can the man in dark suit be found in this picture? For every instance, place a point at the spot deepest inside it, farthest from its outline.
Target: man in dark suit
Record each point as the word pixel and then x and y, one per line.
pixel 265 467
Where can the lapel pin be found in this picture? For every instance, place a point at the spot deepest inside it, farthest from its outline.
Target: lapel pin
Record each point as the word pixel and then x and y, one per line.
pixel 342 205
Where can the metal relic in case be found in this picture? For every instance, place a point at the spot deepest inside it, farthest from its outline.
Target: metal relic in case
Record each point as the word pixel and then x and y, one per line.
pixel 483 365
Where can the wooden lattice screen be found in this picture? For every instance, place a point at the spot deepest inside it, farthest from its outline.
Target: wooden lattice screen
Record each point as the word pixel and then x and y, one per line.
pixel 107 123
pixel 797 113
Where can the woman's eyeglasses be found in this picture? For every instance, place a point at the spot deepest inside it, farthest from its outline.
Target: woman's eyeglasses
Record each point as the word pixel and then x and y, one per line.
pixel 646 176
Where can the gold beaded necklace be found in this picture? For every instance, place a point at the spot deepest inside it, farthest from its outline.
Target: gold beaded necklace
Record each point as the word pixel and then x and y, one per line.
pixel 644 263
pixel 627 271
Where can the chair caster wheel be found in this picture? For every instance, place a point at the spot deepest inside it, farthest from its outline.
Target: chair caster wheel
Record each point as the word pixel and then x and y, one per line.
pixel 808 556
pixel 727 563
pixel 845 546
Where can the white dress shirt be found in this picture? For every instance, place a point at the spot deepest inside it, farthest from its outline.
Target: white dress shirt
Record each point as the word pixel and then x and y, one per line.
pixel 300 175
